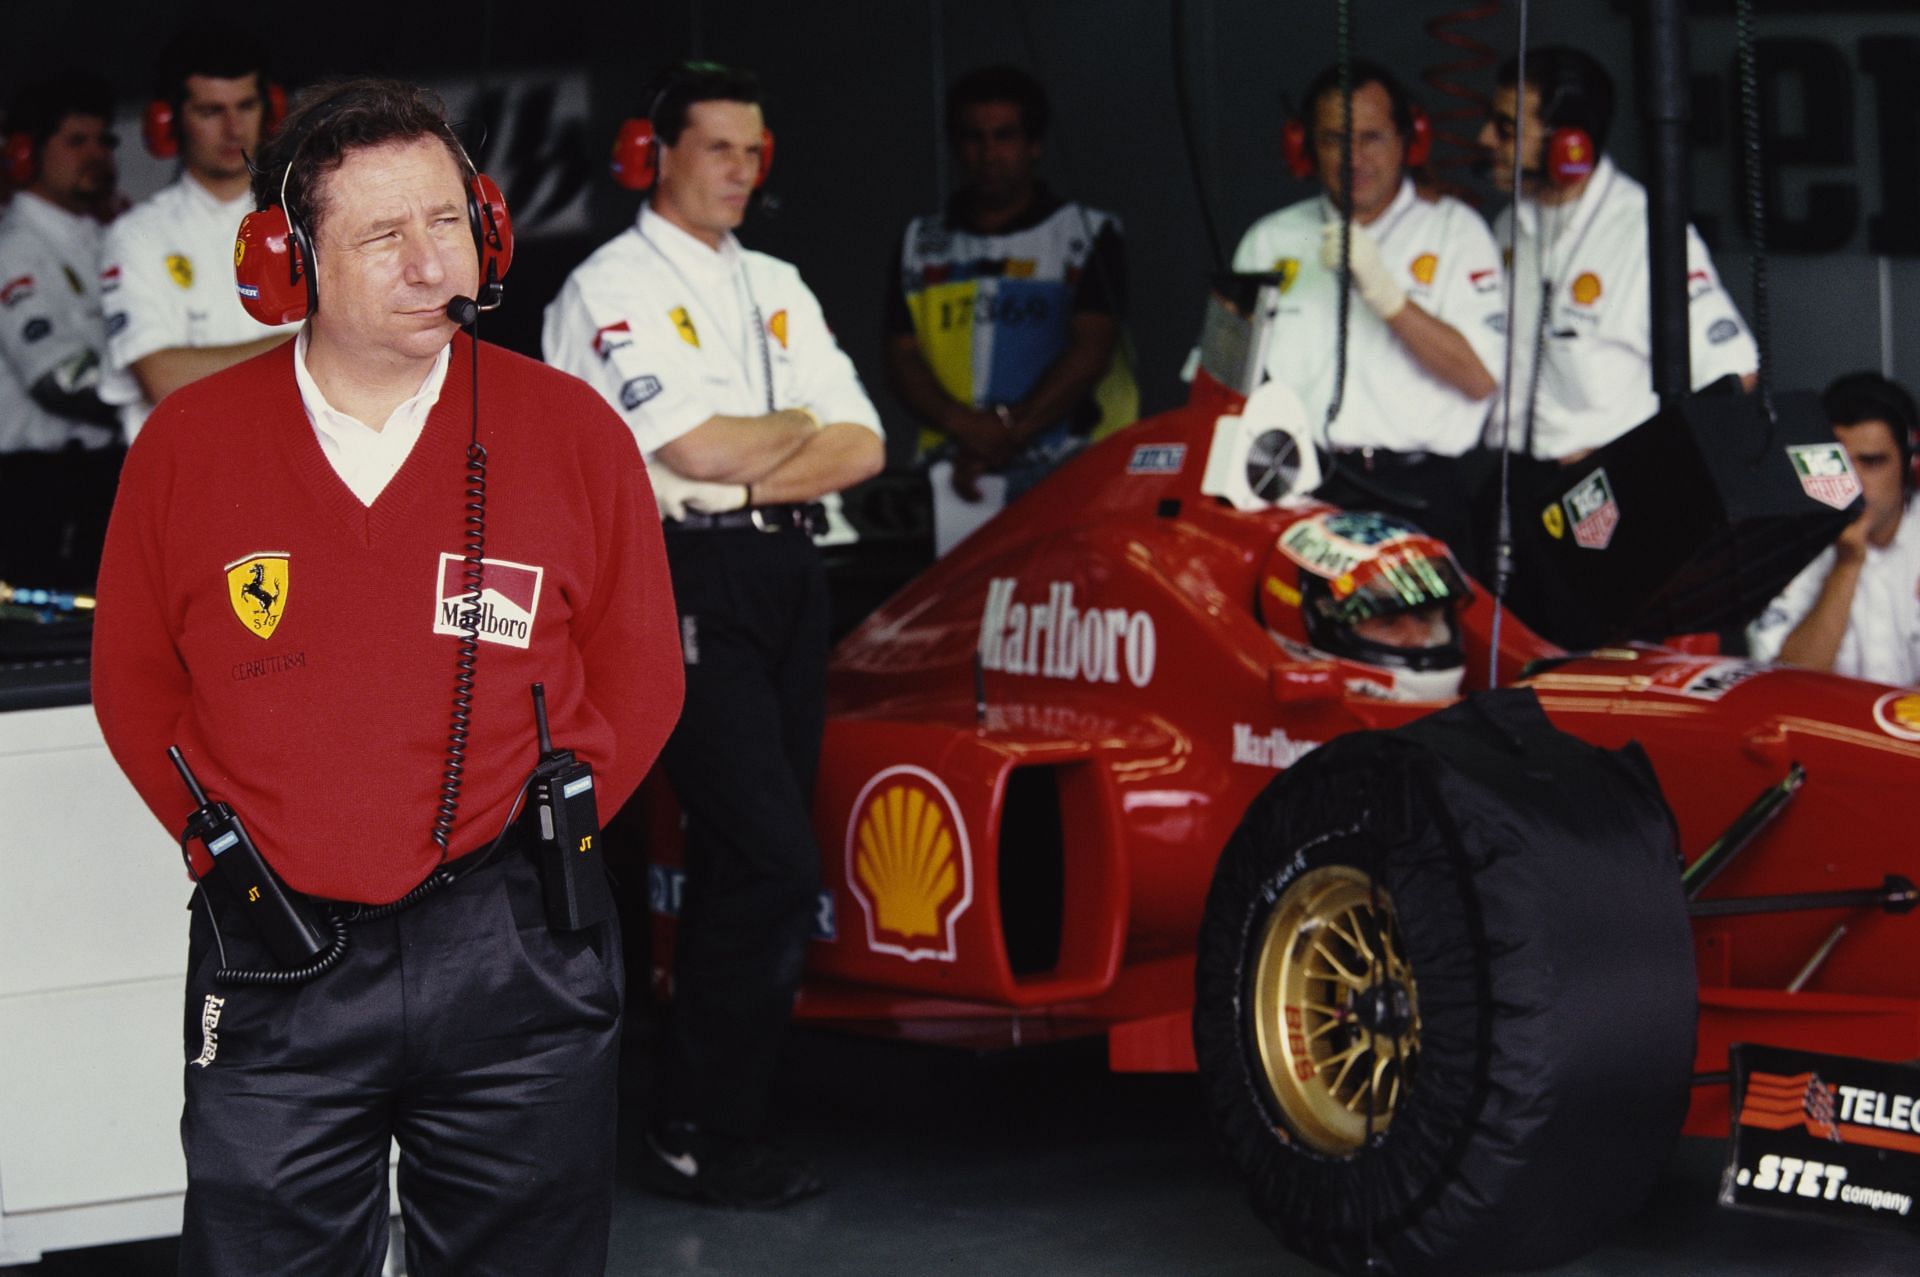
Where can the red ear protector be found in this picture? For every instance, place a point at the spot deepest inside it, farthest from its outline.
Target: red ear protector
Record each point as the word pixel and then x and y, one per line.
pixel 636 156
pixel 162 138
pixel 1296 146
pixel 273 253
pixel 1571 155
pixel 21 169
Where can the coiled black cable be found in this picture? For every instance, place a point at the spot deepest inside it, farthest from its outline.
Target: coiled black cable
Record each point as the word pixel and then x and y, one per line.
pixel 1756 199
pixel 467 658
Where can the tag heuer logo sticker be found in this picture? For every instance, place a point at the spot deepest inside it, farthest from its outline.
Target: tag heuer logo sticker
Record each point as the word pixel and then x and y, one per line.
pixel 257 588
pixel 1825 473
pixel 908 864
pixel 1157 458
pixel 180 270
pixel 683 323
pixel 509 598
pixel 638 390
pixel 1591 510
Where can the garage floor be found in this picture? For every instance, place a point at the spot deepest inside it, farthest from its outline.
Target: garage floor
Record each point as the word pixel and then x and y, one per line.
pixel 1042 1162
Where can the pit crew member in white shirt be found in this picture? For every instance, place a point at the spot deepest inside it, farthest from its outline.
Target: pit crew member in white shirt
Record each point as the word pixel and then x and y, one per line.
pixel 167 266
pixel 748 413
pixel 1423 329
pixel 1855 610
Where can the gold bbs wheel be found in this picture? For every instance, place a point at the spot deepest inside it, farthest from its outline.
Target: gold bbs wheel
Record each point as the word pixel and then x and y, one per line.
pixel 1335 1011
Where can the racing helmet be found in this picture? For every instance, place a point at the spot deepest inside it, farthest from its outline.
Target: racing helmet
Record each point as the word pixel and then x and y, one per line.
pixel 1369 590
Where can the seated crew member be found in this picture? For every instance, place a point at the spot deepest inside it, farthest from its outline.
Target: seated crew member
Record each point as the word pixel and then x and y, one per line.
pixel 284 568
pixel 1855 610
pixel 1582 240
pixel 724 368
pixel 59 444
pixel 1390 620
pixel 1003 313
pixel 1423 340
pixel 166 266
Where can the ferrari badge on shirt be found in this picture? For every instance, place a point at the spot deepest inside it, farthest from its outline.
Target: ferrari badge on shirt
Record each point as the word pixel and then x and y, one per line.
pixel 1288 268
pixel 684 322
pixel 257 588
pixel 180 269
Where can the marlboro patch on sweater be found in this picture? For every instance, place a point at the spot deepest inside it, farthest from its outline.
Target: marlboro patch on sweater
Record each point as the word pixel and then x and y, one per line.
pixel 509 598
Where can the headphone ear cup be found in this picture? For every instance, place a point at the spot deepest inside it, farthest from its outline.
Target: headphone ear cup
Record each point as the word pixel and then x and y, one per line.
pixel 635 160
pixel 156 130
pixel 19 159
pixel 1570 155
pixel 273 110
pixel 1293 145
pixel 270 268
pixel 1420 140
pixel 766 158
pixel 492 231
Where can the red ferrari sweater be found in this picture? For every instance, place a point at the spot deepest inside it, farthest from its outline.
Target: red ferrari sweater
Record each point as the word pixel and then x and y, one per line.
pixel 300 647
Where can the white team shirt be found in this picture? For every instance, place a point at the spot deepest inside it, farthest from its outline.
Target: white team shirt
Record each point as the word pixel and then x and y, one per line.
pixel 1882 642
pixel 672 332
pixel 365 458
pixel 166 280
pixel 1443 256
pixel 1596 382
pixel 49 317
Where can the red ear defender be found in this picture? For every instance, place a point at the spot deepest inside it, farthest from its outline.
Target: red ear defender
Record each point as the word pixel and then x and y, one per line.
pixel 19 159
pixel 1420 140
pixel 492 235
pixel 156 130
pixel 1293 146
pixel 766 158
pixel 635 163
pixel 1570 156
pixel 272 111
pixel 270 268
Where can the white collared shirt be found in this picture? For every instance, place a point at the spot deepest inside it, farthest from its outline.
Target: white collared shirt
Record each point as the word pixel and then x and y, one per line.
pixel 49 319
pixel 367 459
pixel 672 332
pixel 1596 382
pixel 166 280
pixel 1882 642
pixel 1441 253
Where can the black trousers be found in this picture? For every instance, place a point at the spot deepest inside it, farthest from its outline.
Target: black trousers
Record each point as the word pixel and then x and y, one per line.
pixel 753 627
pixel 487 1045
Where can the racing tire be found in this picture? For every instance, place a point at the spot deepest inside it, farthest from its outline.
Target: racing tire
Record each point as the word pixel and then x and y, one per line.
pixel 1446 1000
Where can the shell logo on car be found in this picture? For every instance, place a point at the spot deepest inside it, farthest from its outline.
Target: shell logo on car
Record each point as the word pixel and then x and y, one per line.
pixel 909 864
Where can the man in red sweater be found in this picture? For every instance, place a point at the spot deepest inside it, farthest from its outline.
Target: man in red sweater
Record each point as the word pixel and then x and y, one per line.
pixel 285 597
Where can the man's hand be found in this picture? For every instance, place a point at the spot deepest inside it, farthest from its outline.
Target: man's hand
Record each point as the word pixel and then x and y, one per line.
pixel 981 432
pixel 967 470
pixel 1851 547
pixel 1371 278
pixel 676 495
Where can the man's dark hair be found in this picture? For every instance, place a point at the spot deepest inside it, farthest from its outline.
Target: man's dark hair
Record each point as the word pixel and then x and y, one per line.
pixel 999 84
pixel 220 52
pixel 40 108
pixel 338 117
pixel 1364 72
pixel 1575 90
pixel 1867 396
pixel 686 83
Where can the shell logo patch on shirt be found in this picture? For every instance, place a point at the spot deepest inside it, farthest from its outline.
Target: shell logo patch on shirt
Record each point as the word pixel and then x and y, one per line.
pixel 1288 268
pixel 683 322
pixel 1586 288
pixel 257 589
pixel 1423 267
pixel 777 325
pixel 908 864
pixel 509 600
pixel 180 269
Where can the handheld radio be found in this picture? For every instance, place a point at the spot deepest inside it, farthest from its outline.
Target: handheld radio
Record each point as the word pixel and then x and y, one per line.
pixel 573 875
pixel 285 920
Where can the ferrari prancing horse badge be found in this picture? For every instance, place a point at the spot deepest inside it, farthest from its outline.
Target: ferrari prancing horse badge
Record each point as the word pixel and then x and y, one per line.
pixel 257 588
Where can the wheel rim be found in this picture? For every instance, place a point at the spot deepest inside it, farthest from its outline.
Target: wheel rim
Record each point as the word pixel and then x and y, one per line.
pixel 1336 1014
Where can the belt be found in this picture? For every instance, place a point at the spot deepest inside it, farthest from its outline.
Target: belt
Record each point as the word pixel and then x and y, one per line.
pixel 1375 459
pixel 808 517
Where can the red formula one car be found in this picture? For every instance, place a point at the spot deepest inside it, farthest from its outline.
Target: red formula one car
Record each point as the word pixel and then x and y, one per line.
pixel 1093 773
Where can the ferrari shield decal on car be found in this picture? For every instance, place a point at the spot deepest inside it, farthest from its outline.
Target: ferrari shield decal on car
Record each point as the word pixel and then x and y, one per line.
pixel 909 864
pixel 1898 715
pixel 257 589
pixel 1825 473
pixel 1057 639
pixel 1591 510
pixel 509 600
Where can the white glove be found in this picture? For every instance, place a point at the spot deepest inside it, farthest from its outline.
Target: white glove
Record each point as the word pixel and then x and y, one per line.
pixel 676 495
pixel 1371 278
